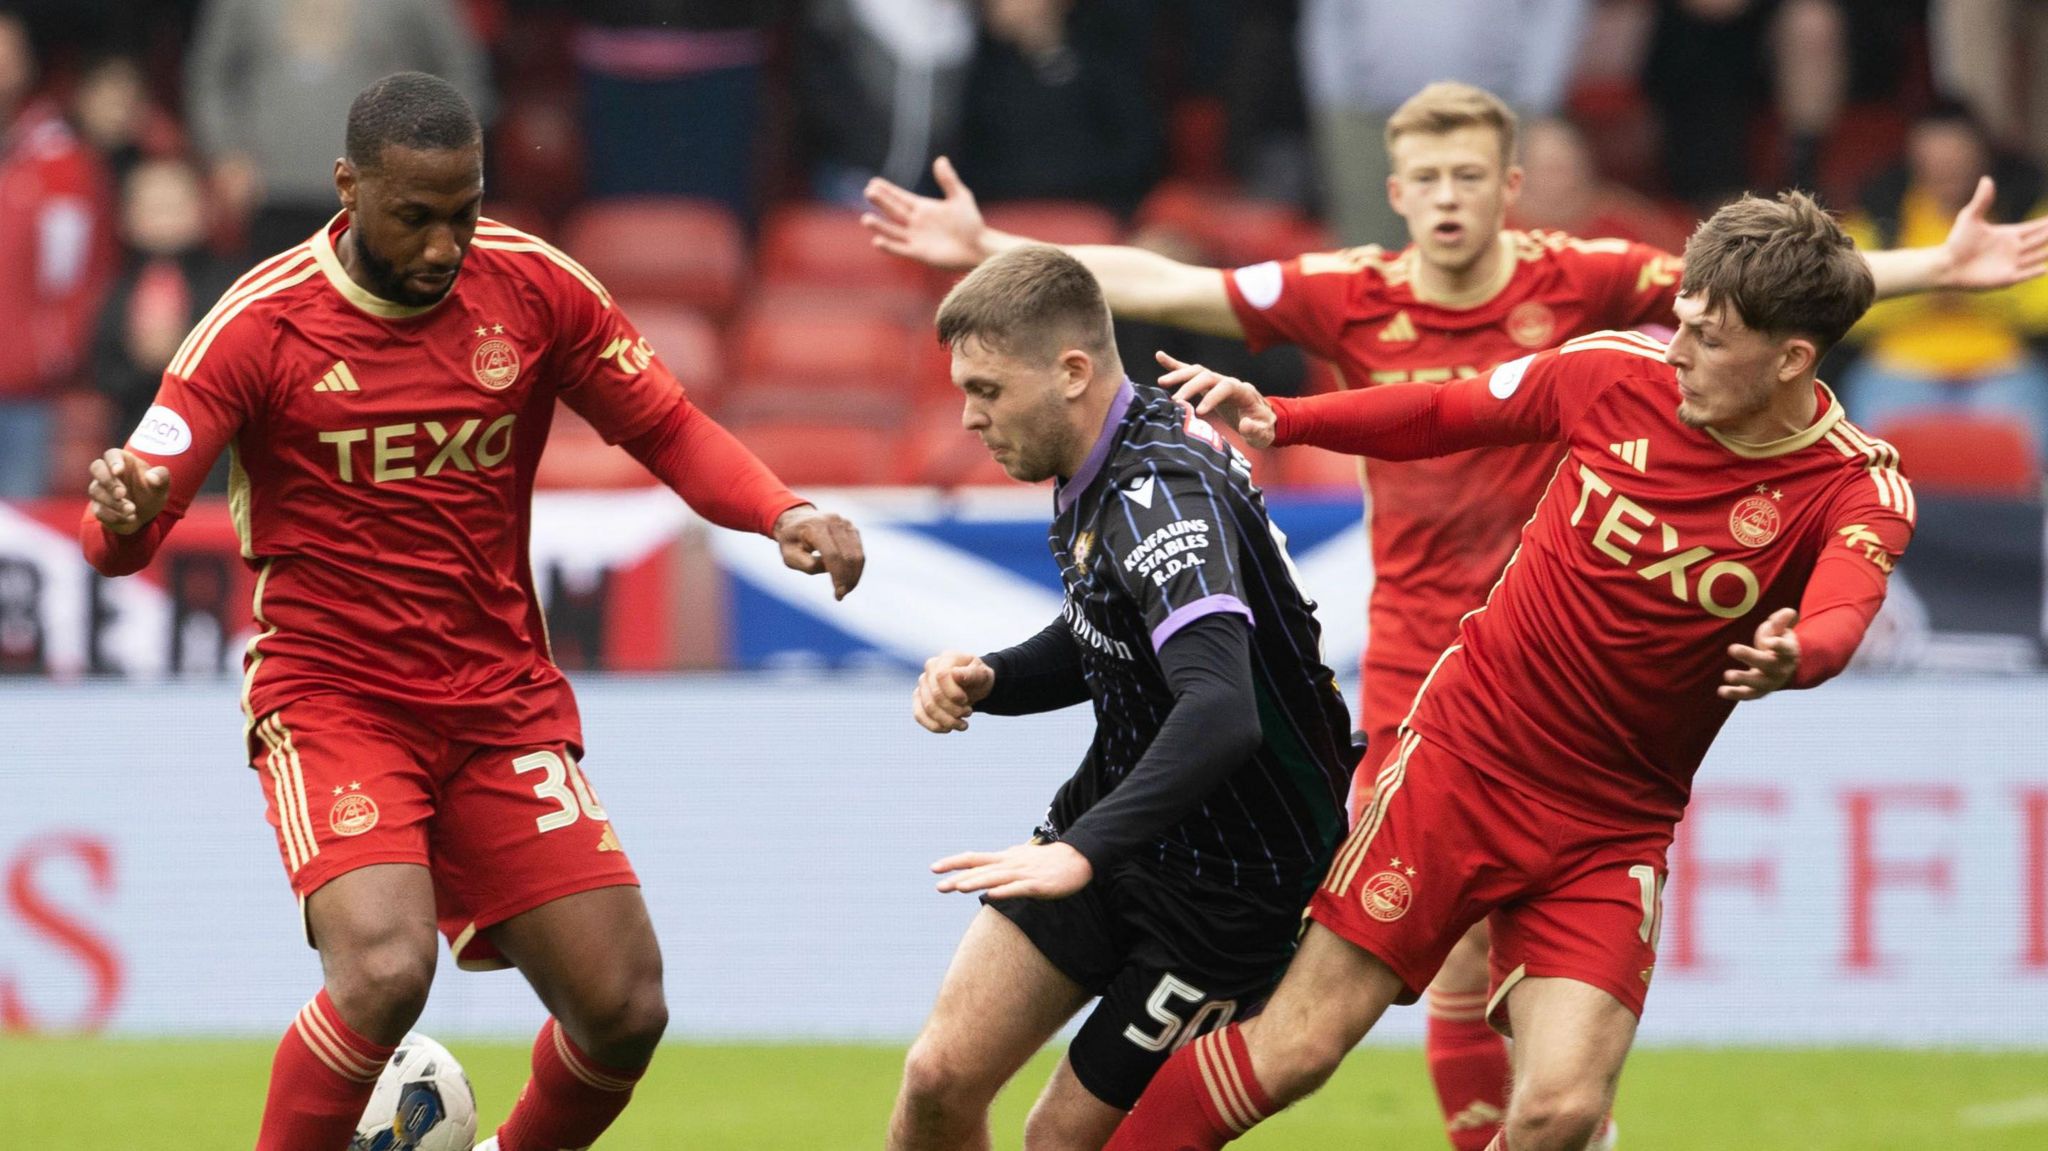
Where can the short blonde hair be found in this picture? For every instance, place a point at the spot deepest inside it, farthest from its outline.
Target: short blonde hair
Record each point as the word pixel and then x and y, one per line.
pixel 1446 106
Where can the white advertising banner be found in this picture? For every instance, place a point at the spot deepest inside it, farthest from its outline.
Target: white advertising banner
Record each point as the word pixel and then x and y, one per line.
pixel 1865 863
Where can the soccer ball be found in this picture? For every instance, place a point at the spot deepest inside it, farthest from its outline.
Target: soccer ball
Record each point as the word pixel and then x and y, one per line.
pixel 422 1102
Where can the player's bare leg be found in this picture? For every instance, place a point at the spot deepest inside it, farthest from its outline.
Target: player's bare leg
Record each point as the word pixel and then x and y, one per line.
pixel 1333 993
pixel 1000 1002
pixel 593 959
pixel 1571 1040
pixel 1218 1087
pixel 375 930
pixel 1068 1116
pixel 1468 1060
pixel 374 927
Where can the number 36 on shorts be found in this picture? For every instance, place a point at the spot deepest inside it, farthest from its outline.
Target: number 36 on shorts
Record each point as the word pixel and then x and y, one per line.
pixel 563 785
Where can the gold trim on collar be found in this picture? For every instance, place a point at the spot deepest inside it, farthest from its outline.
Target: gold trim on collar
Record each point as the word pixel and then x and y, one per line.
pixel 1791 443
pixel 330 265
pixel 1470 297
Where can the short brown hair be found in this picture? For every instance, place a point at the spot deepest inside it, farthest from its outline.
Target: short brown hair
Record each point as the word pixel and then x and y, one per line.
pixel 1784 265
pixel 1446 106
pixel 1030 302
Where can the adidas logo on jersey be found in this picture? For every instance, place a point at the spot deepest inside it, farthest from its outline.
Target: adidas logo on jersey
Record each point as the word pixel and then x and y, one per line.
pixel 338 379
pixel 1634 453
pixel 1399 330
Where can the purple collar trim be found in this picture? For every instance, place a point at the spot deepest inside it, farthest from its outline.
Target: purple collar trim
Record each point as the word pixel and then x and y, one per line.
pixel 1071 489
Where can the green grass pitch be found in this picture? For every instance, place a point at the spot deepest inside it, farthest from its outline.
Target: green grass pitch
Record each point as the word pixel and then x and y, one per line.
pixel 162 1095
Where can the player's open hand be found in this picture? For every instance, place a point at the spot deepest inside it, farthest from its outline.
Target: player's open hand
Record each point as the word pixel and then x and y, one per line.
pixel 814 541
pixel 1226 396
pixel 1027 871
pixel 952 683
pixel 944 233
pixel 1769 664
pixel 1982 254
pixel 125 492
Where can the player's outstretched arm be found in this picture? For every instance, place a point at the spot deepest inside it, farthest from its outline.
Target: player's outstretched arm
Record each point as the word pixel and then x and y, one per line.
pixel 949 232
pixel 1041 674
pixel 813 542
pixel 1227 397
pixel 1978 254
pixel 1769 664
pixel 730 486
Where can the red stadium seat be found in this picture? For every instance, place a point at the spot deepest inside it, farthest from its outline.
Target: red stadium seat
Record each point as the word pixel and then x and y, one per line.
pixel 826 346
pixel 1055 221
pixel 824 246
pixel 578 458
pixel 808 453
pixel 932 373
pixel 1958 452
pixel 912 303
pixel 685 252
pixel 942 453
pixel 686 340
pixel 759 399
pixel 1234 230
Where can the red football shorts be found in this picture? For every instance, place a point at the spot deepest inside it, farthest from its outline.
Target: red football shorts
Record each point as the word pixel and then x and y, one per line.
pixel 1442 846
pixel 352 782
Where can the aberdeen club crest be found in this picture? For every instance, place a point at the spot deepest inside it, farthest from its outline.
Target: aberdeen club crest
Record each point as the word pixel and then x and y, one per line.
pixel 353 812
pixel 1387 896
pixel 1755 522
pixel 495 362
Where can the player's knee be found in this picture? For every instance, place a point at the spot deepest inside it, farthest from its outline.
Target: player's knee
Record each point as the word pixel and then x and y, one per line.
pixel 624 1026
pixel 643 1019
pixel 1554 1118
pixel 381 990
pixel 937 1077
pixel 1294 1061
pixel 1046 1129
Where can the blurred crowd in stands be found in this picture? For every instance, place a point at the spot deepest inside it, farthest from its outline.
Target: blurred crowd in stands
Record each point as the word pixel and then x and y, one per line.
pixel 705 158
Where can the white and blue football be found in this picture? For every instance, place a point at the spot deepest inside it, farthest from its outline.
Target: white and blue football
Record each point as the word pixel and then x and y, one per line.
pixel 422 1102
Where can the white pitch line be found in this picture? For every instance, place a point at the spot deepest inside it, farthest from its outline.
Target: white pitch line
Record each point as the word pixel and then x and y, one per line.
pixel 2011 1113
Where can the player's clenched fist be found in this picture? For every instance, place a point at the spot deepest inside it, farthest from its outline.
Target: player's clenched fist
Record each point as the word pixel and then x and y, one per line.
pixel 1228 397
pixel 952 683
pixel 125 492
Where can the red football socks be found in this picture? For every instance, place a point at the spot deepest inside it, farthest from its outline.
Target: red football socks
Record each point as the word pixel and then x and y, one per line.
pixel 1468 1061
pixel 569 1101
pixel 320 1082
pixel 1204 1096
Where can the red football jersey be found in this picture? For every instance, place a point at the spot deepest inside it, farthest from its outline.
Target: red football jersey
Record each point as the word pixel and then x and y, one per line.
pixel 1442 528
pixel 1591 672
pixel 383 470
